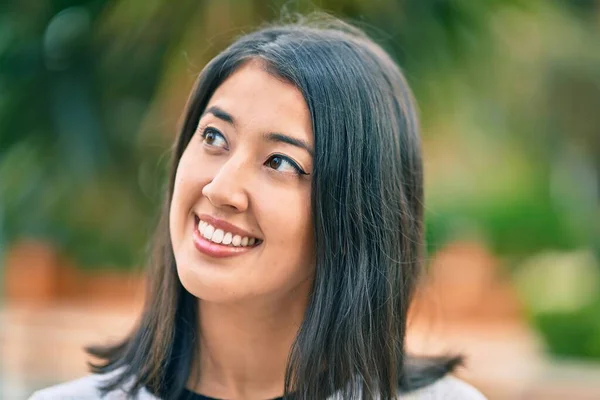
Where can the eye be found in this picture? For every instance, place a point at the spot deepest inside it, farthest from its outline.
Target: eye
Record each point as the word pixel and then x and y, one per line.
pixel 214 138
pixel 284 164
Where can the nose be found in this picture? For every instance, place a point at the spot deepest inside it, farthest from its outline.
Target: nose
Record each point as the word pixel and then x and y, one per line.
pixel 226 189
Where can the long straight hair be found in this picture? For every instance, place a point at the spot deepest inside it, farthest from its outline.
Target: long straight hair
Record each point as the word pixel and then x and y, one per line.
pixel 367 212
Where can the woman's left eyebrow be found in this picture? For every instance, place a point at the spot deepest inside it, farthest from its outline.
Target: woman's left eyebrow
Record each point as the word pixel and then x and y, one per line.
pixel 280 137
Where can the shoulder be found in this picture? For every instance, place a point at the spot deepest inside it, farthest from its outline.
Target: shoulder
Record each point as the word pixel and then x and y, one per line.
pixel 86 388
pixel 447 388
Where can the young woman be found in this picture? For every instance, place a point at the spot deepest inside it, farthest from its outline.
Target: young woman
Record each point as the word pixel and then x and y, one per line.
pixel 291 237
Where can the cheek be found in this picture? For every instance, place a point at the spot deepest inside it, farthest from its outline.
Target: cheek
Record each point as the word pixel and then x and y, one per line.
pixel 187 187
pixel 288 226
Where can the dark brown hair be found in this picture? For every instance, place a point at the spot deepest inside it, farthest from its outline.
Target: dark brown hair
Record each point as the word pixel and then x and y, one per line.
pixel 367 210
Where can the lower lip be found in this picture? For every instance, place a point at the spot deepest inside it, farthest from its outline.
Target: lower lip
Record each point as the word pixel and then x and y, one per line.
pixel 217 250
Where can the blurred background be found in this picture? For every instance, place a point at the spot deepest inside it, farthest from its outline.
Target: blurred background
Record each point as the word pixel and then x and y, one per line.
pixel 91 93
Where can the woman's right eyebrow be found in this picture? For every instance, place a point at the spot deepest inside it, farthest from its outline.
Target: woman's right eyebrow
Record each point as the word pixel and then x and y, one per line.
pixel 219 113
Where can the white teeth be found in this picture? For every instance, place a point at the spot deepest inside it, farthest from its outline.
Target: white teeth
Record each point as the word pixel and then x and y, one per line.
pixel 227 238
pixel 217 237
pixel 208 232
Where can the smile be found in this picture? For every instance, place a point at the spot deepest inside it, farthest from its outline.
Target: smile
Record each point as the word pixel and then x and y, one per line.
pixel 217 242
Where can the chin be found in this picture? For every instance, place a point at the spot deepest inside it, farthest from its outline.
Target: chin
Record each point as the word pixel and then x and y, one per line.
pixel 208 287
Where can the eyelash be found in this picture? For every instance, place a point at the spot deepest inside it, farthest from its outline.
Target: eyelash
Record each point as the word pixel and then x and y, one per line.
pixel 208 130
pixel 299 171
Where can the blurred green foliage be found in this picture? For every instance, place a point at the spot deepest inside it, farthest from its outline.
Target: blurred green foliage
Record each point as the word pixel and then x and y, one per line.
pixel 514 226
pixel 572 334
pixel 561 290
pixel 509 92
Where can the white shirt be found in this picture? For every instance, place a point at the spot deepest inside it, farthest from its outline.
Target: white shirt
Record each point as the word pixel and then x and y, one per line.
pixel 86 388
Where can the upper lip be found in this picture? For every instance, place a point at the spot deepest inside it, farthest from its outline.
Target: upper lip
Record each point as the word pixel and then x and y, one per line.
pixel 226 226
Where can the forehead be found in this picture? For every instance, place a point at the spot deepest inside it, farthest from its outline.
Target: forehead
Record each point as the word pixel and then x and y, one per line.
pixel 257 99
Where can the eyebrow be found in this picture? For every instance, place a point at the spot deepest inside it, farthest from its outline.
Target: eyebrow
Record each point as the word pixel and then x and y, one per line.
pixel 279 137
pixel 219 113
pixel 271 137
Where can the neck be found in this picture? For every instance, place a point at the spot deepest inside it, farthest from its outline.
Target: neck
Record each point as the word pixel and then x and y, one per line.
pixel 244 348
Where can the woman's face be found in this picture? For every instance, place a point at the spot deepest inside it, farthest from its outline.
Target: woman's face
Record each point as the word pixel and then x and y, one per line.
pixel 240 218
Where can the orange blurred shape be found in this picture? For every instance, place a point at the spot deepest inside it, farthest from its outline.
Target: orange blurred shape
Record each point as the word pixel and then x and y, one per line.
pixel 37 274
pixel 465 282
pixel 31 272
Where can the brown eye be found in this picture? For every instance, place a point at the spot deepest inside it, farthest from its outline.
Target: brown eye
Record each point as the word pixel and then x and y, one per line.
pixel 209 138
pixel 275 162
pixel 284 164
pixel 214 138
